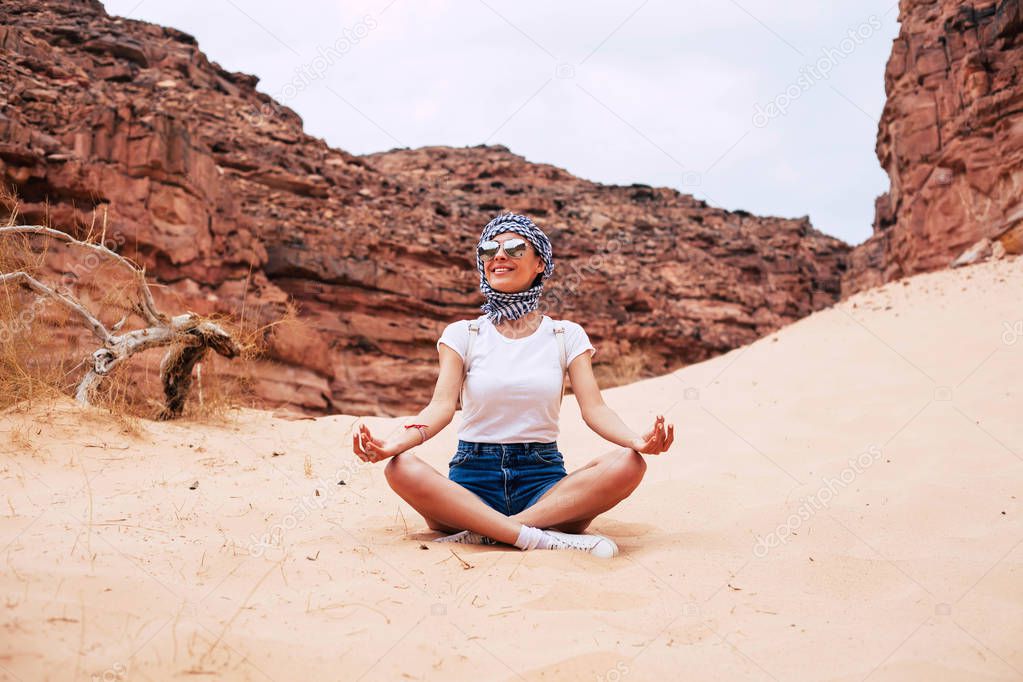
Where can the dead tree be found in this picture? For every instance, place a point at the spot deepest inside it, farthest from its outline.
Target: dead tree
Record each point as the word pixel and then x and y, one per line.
pixel 187 336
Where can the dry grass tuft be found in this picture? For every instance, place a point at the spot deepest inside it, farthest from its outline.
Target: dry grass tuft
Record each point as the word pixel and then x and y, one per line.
pixel 639 364
pixel 19 437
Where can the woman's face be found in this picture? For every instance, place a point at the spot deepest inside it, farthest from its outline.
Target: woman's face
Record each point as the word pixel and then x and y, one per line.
pixel 511 275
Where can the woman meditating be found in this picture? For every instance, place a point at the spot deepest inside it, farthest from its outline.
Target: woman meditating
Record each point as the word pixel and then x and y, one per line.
pixel 507 481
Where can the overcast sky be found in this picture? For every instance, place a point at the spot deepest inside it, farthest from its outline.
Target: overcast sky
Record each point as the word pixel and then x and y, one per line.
pixel 758 105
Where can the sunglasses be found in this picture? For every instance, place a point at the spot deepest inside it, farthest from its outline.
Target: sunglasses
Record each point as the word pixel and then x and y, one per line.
pixel 514 248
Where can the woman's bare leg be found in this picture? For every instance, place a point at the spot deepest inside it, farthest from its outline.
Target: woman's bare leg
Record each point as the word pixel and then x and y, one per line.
pixel 444 504
pixel 569 506
pixel 574 501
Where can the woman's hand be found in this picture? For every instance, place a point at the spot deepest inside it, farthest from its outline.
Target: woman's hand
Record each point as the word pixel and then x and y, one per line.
pixel 656 440
pixel 370 449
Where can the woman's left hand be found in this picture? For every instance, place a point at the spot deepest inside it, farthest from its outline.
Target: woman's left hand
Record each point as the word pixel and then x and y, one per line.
pixel 656 440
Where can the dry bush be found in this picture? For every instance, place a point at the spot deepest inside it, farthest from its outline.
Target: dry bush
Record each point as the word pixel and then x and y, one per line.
pixel 640 363
pixel 222 384
pixel 46 349
pixel 23 376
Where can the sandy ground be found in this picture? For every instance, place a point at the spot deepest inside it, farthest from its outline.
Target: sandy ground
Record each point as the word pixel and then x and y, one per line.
pixel 843 502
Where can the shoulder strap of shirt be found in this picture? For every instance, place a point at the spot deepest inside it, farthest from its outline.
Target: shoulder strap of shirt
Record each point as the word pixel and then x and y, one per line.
pixel 474 329
pixel 559 333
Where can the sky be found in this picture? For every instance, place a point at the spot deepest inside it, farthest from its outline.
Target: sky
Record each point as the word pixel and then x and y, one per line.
pixel 763 106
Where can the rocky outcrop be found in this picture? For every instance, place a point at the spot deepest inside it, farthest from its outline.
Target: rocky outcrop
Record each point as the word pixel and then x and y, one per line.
pixel 215 188
pixel 950 138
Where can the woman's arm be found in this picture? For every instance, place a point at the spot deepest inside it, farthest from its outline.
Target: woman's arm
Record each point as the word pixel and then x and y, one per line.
pixel 434 416
pixel 606 422
pixel 598 416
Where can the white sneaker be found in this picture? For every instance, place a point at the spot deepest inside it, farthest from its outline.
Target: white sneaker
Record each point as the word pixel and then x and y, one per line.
pixel 468 537
pixel 597 545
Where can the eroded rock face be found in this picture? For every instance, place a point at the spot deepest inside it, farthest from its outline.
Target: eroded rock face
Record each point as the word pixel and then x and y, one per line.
pixel 215 188
pixel 950 137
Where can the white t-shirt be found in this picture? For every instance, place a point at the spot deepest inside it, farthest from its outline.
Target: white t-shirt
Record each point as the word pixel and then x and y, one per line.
pixel 513 389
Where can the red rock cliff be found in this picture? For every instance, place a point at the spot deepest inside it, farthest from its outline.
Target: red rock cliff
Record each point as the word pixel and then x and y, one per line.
pixel 219 193
pixel 950 138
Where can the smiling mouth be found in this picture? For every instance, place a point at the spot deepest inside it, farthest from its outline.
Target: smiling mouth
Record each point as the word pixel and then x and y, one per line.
pixel 501 271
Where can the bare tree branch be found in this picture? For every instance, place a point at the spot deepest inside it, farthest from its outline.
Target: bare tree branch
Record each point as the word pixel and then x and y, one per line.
pixel 29 282
pixel 148 308
pixel 188 336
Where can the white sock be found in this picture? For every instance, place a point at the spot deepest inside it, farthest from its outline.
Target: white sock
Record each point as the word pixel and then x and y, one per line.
pixel 532 538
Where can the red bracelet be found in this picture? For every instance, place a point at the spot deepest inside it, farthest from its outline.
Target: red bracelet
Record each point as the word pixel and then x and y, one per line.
pixel 421 428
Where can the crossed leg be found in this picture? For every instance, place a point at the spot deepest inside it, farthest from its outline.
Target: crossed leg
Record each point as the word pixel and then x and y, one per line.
pixel 569 506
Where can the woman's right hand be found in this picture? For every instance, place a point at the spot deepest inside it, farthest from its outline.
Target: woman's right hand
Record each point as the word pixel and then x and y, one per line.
pixel 370 449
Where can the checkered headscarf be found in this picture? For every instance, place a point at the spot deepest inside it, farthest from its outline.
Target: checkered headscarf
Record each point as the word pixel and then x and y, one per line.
pixel 503 306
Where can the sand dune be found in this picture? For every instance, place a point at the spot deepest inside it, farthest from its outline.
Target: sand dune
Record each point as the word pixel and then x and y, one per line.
pixel 842 502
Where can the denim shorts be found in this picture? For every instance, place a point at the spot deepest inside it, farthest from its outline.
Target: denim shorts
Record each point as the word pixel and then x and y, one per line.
pixel 507 476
